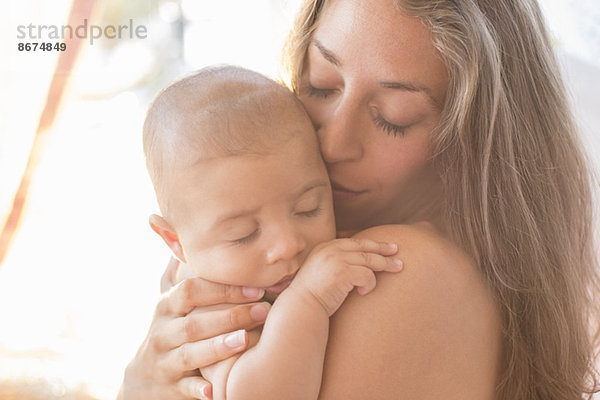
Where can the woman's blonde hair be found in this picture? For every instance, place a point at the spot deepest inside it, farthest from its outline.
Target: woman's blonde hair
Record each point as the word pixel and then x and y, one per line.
pixel 518 191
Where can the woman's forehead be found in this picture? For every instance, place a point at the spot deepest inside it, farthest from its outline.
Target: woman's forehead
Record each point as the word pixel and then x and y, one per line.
pixel 375 40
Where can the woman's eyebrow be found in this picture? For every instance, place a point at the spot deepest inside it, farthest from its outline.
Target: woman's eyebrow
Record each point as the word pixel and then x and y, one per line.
pixel 411 87
pixel 326 53
pixel 400 85
pixel 408 86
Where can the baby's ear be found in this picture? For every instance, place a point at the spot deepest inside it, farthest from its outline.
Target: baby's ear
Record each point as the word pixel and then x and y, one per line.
pixel 167 233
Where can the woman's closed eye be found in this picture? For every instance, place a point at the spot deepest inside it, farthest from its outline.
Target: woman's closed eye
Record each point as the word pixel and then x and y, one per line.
pixel 318 92
pixel 382 123
pixel 388 127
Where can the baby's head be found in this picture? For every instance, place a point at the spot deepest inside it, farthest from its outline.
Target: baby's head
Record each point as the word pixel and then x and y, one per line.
pixel 242 188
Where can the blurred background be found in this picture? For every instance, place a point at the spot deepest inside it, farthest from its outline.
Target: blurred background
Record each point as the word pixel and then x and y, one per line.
pixel 79 267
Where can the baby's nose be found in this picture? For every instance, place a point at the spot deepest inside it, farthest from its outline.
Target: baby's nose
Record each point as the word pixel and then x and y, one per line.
pixel 286 246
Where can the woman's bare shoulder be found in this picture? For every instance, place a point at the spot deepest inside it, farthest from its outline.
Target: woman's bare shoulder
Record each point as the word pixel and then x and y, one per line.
pixel 430 331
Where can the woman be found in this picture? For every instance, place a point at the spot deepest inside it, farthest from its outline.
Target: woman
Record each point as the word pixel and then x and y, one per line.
pixel 449 120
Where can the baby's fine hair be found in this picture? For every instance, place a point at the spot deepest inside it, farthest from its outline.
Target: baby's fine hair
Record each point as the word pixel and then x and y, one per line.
pixel 218 111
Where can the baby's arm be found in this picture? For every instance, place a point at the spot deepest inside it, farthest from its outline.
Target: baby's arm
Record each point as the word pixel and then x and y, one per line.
pixel 287 362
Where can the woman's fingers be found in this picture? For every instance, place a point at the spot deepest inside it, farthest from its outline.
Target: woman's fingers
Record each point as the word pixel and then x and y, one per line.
pixel 167 280
pixel 199 354
pixel 197 292
pixel 195 387
pixel 178 343
pixel 198 326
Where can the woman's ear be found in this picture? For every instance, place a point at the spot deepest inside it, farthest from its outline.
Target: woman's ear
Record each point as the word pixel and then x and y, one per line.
pixel 167 233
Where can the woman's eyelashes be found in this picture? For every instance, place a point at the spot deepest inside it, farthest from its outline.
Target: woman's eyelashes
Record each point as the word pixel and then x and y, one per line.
pixel 317 92
pixel 388 127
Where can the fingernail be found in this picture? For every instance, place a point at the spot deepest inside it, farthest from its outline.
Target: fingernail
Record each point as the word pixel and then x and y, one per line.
pixel 235 339
pixel 206 391
pixel 399 264
pixel 393 246
pixel 259 312
pixel 252 292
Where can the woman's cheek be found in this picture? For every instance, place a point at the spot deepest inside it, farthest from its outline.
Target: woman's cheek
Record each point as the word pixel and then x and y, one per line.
pixel 315 111
pixel 399 163
pixel 320 110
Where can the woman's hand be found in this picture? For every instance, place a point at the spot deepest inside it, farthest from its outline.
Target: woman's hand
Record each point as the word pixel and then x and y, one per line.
pixel 179 341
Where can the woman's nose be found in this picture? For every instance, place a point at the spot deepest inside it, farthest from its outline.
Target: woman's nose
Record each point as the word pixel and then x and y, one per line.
pixel 286 244
pixel 339 133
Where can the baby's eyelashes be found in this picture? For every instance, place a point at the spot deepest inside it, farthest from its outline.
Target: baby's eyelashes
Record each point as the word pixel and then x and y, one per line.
pixel 248 238
pixel 310 213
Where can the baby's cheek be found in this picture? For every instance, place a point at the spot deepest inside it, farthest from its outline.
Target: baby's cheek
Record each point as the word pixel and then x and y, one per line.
pixel 235 267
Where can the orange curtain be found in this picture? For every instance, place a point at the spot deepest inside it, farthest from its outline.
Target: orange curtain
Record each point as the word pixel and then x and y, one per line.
pixel 80 10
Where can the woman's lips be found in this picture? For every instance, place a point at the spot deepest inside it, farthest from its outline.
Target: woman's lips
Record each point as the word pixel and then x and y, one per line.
pixel 281 285
pixel 341 192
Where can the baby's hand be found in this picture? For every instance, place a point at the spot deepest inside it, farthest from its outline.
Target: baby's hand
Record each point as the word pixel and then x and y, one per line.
pixel 333 269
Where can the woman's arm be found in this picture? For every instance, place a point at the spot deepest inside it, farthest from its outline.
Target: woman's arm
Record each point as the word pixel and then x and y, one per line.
pixel 179 342
pixel 433 332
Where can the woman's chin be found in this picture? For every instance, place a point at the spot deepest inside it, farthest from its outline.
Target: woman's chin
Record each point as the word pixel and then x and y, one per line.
pixel 350 220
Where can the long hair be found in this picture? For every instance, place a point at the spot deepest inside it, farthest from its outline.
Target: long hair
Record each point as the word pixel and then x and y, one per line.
pixel 517 187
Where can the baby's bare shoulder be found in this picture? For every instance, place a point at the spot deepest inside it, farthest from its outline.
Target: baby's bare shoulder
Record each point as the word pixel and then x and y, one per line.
pixel 430 331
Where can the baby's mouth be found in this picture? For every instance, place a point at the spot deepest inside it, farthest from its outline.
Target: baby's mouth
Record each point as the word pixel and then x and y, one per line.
pixel 281 285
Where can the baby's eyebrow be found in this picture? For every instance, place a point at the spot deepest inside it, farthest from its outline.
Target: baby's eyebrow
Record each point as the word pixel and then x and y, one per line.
pixel 234 215
pixel 243 213
pixel 308 188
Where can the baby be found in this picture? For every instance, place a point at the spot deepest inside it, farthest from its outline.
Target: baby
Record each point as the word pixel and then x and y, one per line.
pixel 245 200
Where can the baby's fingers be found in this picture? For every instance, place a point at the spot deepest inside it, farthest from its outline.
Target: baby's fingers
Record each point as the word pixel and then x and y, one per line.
pixel 363 279
pixel 374 261
pixel 369 246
